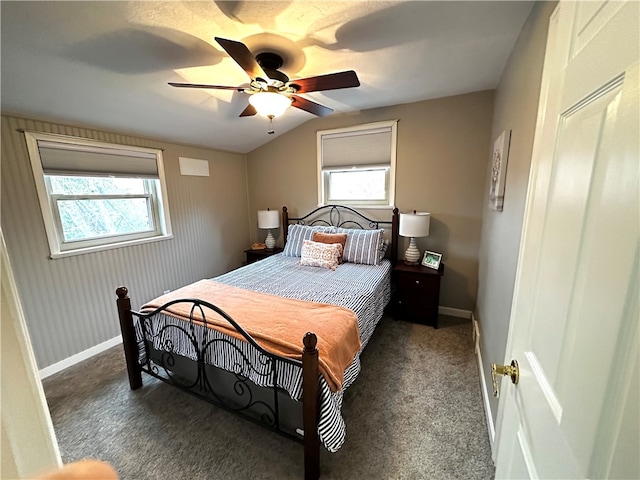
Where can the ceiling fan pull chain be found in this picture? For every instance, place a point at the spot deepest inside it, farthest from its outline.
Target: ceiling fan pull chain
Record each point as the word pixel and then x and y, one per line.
pixel 271 131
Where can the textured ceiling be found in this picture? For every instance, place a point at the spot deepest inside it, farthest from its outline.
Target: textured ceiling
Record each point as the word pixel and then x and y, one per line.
pixel 107 64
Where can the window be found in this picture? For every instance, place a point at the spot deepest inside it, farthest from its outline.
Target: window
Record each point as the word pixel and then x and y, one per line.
pixel 96 196
pixel 356 165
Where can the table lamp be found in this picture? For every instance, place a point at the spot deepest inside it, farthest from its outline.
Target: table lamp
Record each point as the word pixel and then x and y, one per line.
pixel 414 225
pixel 268 219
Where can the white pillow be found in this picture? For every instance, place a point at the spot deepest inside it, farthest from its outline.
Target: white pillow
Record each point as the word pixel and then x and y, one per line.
pixel 317 254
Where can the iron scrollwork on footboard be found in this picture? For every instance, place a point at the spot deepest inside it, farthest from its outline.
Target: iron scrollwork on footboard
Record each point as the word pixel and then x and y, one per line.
pixel 235 374
pixel 168 343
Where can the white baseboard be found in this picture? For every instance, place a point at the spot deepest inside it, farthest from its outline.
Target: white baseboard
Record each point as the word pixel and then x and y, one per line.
pixel 483 384
pixel 455 312
pixel 79 357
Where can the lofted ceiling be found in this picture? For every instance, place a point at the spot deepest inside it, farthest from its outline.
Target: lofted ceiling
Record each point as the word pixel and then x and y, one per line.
pixel 107 64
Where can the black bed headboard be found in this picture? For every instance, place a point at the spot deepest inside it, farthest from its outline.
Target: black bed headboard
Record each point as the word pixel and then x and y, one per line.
pixel 344 217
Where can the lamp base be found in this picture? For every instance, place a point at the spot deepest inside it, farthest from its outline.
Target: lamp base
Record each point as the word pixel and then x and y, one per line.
pixel 412 255
pixel 270 242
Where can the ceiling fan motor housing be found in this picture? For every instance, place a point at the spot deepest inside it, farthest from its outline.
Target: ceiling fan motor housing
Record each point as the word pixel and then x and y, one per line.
pixel 270 63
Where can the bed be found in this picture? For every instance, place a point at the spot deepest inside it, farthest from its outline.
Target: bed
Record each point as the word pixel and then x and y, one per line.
pixel 277 341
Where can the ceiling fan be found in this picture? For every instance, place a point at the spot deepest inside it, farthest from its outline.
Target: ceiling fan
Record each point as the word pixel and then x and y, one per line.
pixel 271 92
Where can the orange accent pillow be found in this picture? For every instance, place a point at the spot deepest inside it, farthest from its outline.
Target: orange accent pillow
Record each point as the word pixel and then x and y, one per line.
pixel 331 238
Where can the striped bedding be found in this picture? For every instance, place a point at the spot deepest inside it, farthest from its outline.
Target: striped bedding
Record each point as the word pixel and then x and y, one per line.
pixel 365 289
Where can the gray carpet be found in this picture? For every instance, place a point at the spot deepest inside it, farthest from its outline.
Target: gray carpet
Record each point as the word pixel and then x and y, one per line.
pixel 414 412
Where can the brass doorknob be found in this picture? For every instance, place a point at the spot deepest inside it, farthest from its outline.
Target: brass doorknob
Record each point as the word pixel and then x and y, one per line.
pixel 508 370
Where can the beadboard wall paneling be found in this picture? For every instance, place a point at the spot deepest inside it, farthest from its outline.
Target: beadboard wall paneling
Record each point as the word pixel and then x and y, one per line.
pixel 69 303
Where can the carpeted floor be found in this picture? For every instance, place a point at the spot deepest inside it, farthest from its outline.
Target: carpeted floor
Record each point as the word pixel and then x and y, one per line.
pixel 415 412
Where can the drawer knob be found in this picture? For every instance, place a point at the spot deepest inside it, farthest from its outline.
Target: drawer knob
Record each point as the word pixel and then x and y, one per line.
pixel 418 282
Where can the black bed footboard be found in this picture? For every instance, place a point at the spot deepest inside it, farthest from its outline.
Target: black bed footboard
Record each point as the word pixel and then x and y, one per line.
pixel 239 376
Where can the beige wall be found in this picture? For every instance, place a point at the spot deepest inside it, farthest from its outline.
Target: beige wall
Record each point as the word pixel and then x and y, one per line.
pixel 515 109
pixel 443 148
pixel 210 228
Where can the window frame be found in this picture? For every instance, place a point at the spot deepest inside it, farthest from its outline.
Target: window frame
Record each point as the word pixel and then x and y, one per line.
pixel 357 130
pixel 155 192
pixel 150 197
pixel 326 174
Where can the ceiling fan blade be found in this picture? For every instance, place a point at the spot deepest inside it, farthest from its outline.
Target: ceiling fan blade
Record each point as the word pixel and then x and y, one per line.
pixel 331 81
pixel 249 111
pixel 311 107
pixel 198 85
pixel 243 57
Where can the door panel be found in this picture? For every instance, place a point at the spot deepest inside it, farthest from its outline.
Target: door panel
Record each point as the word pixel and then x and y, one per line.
pixel 591 17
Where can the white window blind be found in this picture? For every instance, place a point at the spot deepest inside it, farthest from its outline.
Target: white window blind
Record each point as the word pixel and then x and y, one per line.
pixel 363 147
pixel 66 158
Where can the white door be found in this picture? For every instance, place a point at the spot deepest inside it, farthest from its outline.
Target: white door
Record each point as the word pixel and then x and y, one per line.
pixel 574 324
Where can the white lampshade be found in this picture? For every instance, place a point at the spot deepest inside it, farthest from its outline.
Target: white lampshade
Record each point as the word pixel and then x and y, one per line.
pixel 270 104
pixel 415 224
pixel 268 219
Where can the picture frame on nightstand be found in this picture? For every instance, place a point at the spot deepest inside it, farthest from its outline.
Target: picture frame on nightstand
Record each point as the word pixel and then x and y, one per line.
pixel 432 260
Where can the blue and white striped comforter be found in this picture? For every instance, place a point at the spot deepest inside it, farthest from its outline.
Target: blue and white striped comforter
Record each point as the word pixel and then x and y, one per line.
pixel 365 289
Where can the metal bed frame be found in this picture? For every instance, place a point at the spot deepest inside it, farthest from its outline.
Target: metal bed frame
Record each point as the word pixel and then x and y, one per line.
pixel 233 391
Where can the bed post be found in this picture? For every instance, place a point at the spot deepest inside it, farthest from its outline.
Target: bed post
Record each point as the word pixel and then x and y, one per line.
pixel 129 338
pixel 310 407
pixel 395 228
pixel 285 224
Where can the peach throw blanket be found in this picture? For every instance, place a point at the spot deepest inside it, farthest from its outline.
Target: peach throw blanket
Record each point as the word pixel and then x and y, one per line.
pixel 278 324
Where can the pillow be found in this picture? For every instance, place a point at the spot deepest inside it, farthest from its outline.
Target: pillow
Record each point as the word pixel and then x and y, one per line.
pixel 384 244
pixel 339 238
pixel 297 234
pixel 363 246
pixel 316 254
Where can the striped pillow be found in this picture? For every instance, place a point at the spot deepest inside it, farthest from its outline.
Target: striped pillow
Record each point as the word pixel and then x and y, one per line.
pixel 363 246
pixel 297 234
pixel 317 254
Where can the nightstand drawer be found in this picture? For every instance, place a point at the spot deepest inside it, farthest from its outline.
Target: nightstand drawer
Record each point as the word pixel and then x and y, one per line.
pixel 414 280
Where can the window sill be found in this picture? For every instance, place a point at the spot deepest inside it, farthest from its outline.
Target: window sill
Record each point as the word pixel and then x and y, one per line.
pixel 100 248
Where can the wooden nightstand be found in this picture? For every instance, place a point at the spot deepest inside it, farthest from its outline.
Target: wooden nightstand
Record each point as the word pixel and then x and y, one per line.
pixel 255 255
pixel 417 293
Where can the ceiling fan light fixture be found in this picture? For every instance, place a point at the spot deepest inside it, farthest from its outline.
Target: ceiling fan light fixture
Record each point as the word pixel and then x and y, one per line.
pixel 270 104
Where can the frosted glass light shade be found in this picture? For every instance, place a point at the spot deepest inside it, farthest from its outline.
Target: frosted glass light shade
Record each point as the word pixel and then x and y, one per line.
pixel 268 219
pixel 415 224
pixel 270 104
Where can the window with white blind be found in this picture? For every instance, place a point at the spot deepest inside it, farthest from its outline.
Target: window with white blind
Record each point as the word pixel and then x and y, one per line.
pixel 356 165
pixel 95 195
